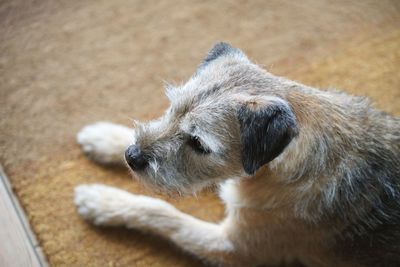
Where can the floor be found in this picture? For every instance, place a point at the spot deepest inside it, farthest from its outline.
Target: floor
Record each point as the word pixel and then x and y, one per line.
pixel 19 246
pixel 67 63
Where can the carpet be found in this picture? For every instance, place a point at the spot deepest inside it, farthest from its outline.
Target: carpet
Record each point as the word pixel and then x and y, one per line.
pixel 64 64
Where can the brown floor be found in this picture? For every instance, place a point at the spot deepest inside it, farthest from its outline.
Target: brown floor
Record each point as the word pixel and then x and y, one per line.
pixel 19 246
pixel 68 63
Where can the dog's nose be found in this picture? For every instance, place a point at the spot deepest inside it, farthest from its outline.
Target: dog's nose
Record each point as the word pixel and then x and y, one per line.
pixel 135 158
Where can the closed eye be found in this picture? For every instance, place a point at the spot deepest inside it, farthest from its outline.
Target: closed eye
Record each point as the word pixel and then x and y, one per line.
pixel 195 143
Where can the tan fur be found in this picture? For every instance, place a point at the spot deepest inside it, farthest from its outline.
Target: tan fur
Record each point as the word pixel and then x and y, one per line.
pixel 306 204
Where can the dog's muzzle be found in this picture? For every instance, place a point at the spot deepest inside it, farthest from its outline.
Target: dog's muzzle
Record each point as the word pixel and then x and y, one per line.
pixel 135 158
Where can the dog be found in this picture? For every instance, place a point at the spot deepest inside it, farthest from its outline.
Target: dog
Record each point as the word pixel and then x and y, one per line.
pixel 306 175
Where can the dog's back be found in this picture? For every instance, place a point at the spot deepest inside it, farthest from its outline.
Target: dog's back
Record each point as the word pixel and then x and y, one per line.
pixel 367 203
pixel 373 236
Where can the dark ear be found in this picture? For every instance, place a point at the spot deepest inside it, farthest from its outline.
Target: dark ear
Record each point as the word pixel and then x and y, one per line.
pixel 266 128
pixel 221 49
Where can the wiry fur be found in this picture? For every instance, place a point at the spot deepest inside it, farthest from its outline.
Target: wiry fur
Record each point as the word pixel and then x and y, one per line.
pixel 306 175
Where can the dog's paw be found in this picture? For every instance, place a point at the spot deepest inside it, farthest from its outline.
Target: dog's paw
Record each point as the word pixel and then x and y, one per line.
pixel 105 142
pixel 109 206
pixel 101 204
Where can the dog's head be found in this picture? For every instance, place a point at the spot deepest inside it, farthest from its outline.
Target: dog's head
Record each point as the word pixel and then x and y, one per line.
pixel 228 120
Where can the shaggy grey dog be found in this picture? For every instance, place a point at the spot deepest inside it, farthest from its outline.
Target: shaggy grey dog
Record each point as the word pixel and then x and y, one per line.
pixel 306 175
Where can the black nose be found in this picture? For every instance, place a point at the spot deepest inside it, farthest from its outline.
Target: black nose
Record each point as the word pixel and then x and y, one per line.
pixel 135 158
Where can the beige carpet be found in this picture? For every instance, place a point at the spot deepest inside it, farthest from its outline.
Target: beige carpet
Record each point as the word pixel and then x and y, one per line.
pixel 64 64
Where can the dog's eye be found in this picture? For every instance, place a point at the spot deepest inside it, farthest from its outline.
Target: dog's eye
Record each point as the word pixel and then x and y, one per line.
pixel 195 144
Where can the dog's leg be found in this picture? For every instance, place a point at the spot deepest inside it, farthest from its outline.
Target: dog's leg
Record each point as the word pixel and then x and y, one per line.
pixel 105 142
pixel 104 205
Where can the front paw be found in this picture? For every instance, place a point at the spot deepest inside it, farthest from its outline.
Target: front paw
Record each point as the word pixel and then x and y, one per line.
pixel 105 142
pixel 101 204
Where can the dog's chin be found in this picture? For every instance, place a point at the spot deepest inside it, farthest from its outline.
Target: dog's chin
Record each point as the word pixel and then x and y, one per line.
pixel 158 184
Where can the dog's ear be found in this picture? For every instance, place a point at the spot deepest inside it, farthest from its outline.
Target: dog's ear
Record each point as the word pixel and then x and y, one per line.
pixel 222 49
pixel 267 126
